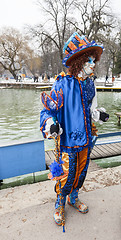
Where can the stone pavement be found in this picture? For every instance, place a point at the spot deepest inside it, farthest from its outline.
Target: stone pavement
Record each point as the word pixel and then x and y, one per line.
pixel 26 212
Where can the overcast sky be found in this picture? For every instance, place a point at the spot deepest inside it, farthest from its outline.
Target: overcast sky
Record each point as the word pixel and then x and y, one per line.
pixel 17 13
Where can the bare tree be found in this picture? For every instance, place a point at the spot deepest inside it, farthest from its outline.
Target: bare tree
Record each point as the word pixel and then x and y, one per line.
pixel 14 50
pixel 55 29
pixel 117 58
pixel 92 18
pixel 34 64
pixel 95 18
pixel 111 48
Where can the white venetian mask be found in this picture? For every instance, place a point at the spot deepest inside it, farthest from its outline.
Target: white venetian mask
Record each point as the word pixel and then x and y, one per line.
pixel 88 67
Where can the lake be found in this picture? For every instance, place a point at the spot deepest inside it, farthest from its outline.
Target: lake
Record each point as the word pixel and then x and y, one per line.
pixel 20 114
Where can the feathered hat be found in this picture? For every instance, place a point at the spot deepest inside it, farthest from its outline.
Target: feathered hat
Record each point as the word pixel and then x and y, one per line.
pixel 77 45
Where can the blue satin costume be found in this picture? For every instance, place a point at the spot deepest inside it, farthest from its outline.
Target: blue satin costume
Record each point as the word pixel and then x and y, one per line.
pixel 75 120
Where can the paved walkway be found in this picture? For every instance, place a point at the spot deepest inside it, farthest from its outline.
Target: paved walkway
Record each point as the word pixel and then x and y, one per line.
pixel 26 212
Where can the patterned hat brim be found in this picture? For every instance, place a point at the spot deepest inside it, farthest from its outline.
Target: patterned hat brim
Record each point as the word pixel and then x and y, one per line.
pixel 79 51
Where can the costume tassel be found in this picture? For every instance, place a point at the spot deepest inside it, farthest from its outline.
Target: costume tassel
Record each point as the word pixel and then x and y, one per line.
pixel 62 207
pixel 63 228
pixel 56 167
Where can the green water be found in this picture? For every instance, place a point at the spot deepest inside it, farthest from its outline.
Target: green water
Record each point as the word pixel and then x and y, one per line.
pixel 111 101
pixel 20 114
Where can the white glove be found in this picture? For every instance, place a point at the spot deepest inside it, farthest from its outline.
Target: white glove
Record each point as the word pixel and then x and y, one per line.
pixel 52 129
pixel 100 115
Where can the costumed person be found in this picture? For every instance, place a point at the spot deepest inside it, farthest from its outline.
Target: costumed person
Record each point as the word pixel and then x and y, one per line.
pixel 74 118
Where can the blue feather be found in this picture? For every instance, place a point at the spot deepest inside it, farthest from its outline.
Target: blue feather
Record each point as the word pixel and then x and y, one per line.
pixel 56 169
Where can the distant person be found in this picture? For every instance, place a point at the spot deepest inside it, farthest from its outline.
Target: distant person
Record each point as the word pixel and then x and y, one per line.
pixel 106 79
pixel 19 78
pixel 35 78
pixel 42 76
pixel 16 78
pixel 48 77
pixel 113 79
pixel 45 78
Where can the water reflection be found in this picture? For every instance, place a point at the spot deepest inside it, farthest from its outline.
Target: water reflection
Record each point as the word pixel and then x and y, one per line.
pixel 20 111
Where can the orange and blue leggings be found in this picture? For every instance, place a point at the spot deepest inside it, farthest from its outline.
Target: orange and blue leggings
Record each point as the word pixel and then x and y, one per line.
pixel 76 164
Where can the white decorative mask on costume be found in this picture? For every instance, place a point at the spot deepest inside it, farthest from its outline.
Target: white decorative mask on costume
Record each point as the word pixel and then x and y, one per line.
pixel 88 68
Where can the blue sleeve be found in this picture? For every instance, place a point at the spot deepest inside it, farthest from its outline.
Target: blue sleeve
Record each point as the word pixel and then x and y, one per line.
pixel 45 114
